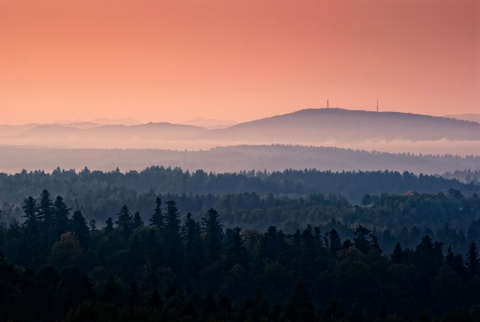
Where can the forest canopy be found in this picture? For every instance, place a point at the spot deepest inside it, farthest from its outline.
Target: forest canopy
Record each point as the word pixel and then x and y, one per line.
pixel 297 245
pixel 175 267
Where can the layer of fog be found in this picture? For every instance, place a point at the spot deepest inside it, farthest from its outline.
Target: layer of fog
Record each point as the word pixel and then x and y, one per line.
pixel 435 147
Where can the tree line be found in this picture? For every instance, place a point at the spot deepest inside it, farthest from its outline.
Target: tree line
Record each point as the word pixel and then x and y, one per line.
pixel 174 267
pixel 352 185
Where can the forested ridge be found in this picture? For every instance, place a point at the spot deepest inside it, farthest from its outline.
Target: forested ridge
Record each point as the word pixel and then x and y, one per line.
pixel 352 185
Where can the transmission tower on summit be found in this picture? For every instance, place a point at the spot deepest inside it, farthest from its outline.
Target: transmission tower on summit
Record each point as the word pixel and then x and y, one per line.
pixel 377 106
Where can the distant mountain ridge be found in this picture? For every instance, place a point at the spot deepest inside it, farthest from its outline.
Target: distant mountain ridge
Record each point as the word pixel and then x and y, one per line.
pixel 209 123
pixel 316 127
pixel 352 125
pixel 146 131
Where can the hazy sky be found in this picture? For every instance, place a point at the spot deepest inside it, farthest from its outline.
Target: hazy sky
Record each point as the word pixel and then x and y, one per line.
pixel 158 60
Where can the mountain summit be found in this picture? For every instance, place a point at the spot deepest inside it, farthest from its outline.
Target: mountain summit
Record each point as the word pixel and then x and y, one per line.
pixel 312 125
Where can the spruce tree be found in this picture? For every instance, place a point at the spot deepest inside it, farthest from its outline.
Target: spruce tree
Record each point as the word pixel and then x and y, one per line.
pixel 334 242
pixel 193 246
pixel 450 257
pixel 32 221
pixel 236 252
pixel 397 254
pixel 172 220
pixel 137 220
pixel 61 213
pixel 46 210
pixel 300 307
pixel 80 228
pixel 157 219
pixel 213 236
pixel 125 222
pixel 108 225
pixel 471 259
pixel 360 239
pixel 173 242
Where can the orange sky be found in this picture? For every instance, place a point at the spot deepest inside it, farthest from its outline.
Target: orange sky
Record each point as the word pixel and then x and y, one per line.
pixel 158 60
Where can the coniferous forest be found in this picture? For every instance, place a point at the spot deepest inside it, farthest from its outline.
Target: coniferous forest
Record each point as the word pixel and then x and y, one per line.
pixel 239 161
pixel 110 247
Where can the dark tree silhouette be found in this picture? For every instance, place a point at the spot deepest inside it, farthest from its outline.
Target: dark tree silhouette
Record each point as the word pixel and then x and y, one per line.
pixel 172 220
pixel 32 220
pixel 157 219
pixel 137 220
pixel 108 225
pixel 334 242
pixel 193 246
pixel 125 222
pixel 397 254
pixel 46 209
pixel 300 307
pixel 213 234
pixel 361 242
pixel 80 228
pixel 173 244
pixel 61 214
pixel 471 260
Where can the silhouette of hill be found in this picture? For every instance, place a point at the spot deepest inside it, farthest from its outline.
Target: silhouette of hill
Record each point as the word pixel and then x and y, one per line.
pixel 149 130
pixel 209 123
pixel 104 136
pixel 7 131
pixel 49 131
pixel 309 126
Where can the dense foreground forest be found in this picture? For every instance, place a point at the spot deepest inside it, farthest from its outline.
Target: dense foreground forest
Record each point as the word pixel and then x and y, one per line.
pixel 57 266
